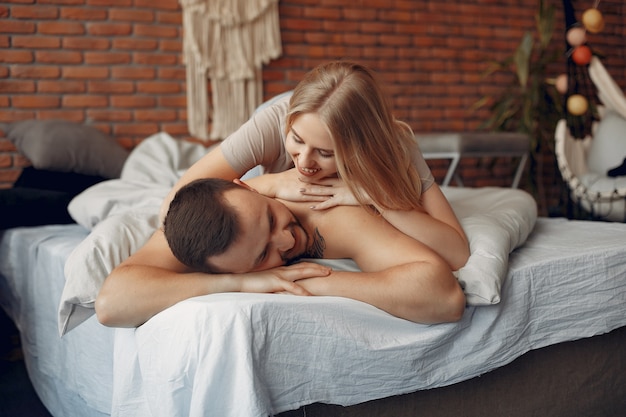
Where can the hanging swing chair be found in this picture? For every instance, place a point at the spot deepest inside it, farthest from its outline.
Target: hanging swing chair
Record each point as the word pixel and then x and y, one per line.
pixel 585 163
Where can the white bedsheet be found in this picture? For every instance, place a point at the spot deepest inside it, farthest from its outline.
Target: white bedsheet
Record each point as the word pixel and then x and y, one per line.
pixel 254 355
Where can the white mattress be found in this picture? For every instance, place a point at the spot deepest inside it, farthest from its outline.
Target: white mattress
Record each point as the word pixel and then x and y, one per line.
pixel 271 353
pixel 255 354
pixel 72 375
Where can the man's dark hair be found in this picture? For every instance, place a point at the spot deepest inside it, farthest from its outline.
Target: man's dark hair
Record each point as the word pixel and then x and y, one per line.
pixel 200 222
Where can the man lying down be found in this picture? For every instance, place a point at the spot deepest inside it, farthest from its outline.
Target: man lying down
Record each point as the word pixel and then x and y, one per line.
pixel 228 238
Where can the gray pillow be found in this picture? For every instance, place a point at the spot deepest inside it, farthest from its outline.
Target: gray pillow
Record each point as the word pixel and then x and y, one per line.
pixel 63 146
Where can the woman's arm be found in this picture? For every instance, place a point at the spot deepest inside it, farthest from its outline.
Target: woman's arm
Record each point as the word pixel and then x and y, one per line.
pixel 436 226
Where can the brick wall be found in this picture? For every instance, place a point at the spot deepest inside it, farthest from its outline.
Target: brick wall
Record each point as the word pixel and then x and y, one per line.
pixel 117 64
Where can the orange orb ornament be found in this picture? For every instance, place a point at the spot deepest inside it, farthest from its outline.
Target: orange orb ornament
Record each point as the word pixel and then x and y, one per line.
pixel 593 20
pixel 577 105
pixel 576 36
pixel 581 55
pixel 561 83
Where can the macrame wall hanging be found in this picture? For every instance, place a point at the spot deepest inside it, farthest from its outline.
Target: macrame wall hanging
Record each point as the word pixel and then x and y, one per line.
pixel 226 42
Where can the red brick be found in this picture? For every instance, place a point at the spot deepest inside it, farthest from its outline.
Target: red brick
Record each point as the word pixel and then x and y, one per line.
pixel 156 31
pixel 6 145
pixel 107 58
pixel 33 102
pixel 62 114
pixel 158 4
pixel 16 56
pixel 175 18
pixel 155 115
pixel 110 3
pixel 59 57
pixel 136 44
pixel 15 86
pixel 172 101
pixel 60 28
pixel 85 101
pixel 170 45
pixel 34 13
pixel 109 29
pixel 9 176
pixel 86 43
pixel 136 129
pixel 115 87
pixel 61 86
pixel 84 72
pixel 16 26
pixel 109 115
pixel 158 87
pixel 83 14
pixel 155 59
pixel 133 73
pixel 36 42
pixel 39 71
pixel 132 101
pixel 126 15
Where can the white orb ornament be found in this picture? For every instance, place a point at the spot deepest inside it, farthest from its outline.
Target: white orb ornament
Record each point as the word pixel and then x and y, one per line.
pixel 561 83
pixel 576 36
pixel 593 20
pixel 577 105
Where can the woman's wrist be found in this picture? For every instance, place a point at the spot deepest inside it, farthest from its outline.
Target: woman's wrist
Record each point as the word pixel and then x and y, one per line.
pixel 263 185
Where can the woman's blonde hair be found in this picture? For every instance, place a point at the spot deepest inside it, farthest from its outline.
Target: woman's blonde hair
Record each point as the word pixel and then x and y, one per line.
pixel 373 151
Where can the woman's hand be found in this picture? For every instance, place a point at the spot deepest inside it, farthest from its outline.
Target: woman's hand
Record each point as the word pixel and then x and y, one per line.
pixel 329 193
pixel 282 279
pixel 287 185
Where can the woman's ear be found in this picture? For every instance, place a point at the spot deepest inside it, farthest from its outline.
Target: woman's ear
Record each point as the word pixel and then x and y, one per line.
pixel 244 185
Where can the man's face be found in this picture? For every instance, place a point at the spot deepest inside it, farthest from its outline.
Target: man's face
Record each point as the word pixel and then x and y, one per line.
pixel 269 236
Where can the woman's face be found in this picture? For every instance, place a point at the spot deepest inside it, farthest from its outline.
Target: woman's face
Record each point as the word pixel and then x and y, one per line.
pixel 311 148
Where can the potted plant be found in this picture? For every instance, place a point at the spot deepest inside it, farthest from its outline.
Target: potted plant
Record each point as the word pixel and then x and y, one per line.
pixel 531 103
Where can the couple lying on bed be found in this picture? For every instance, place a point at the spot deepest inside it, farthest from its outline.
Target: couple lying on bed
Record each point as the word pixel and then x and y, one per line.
pixel 351 183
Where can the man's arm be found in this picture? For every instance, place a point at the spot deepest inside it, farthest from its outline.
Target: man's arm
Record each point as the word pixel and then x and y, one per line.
pixel 152 279
pixel 400 275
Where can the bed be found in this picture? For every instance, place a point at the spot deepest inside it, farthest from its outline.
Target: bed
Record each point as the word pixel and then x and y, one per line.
pixel 543 333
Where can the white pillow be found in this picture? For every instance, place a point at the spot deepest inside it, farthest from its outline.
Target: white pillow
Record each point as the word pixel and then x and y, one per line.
pixel 496 221
pixel 608 146
pixel 110 242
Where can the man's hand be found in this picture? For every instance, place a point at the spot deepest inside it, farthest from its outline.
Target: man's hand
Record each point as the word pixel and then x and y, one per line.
pixel 282 279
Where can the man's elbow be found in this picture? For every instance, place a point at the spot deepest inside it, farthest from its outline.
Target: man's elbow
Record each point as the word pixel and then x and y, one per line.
pixel 449 300
pixel 454 305
pixel 104 311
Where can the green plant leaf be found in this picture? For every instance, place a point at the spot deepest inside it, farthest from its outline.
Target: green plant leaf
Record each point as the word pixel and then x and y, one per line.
pixel 522 59
pixel 545 23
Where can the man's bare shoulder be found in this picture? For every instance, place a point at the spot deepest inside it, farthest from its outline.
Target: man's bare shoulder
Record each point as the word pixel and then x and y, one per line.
pixel 367 238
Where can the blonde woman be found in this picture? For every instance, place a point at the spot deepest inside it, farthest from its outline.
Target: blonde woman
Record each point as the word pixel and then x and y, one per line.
pixel 336 142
